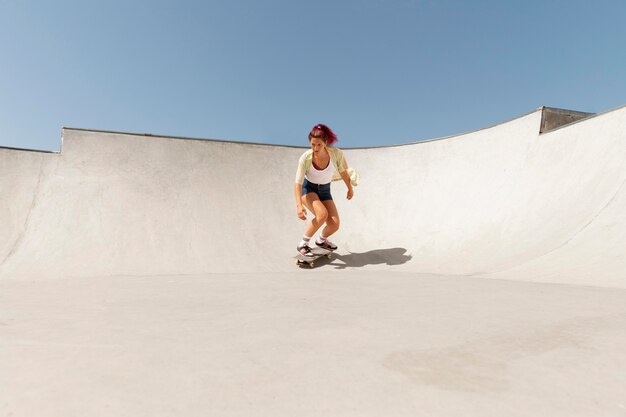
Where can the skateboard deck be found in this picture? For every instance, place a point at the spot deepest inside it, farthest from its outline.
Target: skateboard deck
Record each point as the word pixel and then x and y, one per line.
pixel 310 260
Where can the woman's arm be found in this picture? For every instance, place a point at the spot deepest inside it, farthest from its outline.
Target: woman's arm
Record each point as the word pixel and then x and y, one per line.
pixel 346 179
pixel 300 210
pixel 342 167
pixel 297 188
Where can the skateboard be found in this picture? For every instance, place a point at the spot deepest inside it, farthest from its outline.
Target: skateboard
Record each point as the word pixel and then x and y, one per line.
pixel 310 260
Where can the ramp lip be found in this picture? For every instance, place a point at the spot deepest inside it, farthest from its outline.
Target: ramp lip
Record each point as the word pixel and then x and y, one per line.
pixel 190 138
pixel 586 119
pixel 12 148
pixel 416 142
pixel 302 147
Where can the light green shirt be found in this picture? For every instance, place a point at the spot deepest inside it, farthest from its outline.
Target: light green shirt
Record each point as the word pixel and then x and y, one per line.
pixel 339 163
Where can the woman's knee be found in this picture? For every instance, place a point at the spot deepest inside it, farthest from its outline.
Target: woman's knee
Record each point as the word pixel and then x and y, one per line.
pixel 321 215
pixel 333 221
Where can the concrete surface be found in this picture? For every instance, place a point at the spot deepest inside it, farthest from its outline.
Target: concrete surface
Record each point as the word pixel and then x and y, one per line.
pixel 480 274
pixel 554 118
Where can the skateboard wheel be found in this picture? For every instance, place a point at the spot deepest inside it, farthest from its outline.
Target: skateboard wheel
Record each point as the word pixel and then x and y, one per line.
pixel 312 265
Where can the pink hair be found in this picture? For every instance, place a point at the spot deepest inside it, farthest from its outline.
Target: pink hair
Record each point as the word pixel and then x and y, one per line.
pixel 323 132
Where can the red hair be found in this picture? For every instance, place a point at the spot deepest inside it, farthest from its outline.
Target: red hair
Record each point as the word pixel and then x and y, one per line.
pixel 324 133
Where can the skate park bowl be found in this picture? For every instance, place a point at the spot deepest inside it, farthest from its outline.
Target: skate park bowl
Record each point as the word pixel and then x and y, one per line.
pixel 477 274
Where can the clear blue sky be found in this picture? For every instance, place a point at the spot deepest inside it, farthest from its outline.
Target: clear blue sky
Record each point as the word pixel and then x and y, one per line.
pixel 377 71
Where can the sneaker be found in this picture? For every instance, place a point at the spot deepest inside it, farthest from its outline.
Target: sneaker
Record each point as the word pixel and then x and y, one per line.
pixel 328 245
pixel 305 250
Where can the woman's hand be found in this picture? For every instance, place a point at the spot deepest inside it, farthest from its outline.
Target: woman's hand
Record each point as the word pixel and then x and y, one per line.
pixel 346 179
pixel 301 211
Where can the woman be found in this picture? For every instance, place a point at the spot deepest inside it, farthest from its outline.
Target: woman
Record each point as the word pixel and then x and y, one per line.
pixel 316 169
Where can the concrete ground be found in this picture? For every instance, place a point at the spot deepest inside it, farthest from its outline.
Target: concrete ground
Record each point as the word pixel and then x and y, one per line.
pixel 477 275
pixel 311 344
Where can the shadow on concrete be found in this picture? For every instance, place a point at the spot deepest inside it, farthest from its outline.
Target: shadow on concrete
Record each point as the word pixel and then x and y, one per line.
pixel 392 256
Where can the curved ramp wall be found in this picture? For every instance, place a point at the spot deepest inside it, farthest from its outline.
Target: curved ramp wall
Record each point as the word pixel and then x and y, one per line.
pixel 503 202
pixel 22 173
pixel 583 167
pixel 497 201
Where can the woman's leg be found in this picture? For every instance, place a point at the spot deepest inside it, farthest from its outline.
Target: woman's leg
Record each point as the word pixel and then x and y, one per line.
pixel 318 209
pixel 332 221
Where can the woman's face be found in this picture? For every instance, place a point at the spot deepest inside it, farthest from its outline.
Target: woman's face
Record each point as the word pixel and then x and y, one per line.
pixel 317 145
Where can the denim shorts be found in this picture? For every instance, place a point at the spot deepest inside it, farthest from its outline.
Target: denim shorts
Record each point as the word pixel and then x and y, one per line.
pixel 322 190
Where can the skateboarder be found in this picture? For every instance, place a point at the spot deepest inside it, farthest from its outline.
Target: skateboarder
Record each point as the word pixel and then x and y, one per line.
pixel 317 167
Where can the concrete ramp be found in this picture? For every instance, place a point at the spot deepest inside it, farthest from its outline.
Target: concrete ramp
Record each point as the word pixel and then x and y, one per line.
pixel 505 202
pixel 153 276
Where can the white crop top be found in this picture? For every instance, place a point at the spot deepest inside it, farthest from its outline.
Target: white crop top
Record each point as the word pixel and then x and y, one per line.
pixel 324 176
